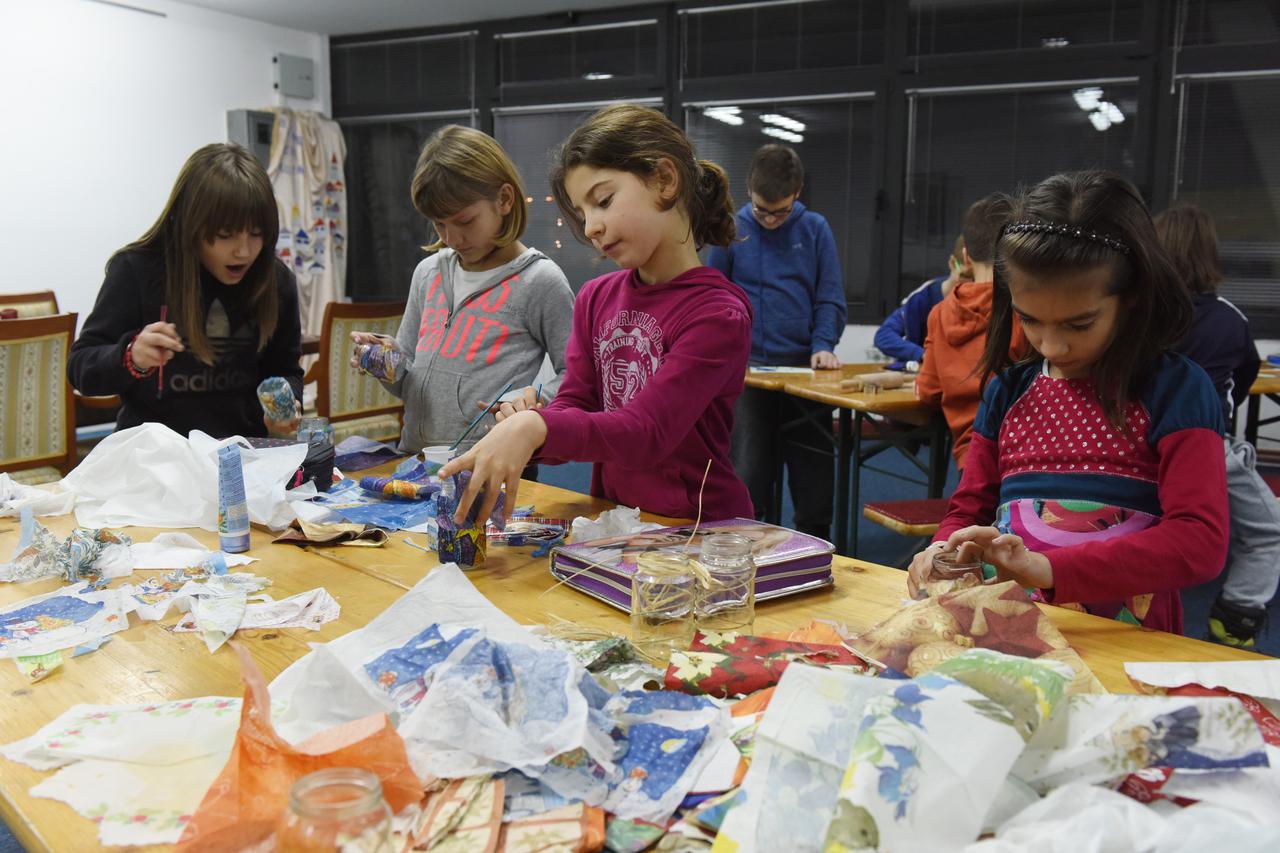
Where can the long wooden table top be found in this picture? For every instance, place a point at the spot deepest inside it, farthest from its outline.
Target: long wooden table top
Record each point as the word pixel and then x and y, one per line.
pixel 773 381
pixel 823 386
pixel 1268 381
pixel 149 663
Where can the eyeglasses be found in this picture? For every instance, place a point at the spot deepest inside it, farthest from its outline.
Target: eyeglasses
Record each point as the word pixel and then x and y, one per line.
pixel 780 213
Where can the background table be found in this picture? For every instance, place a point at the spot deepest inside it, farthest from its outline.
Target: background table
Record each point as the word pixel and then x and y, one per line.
pixel 149 663
pixel 1266 385
pixel 913 423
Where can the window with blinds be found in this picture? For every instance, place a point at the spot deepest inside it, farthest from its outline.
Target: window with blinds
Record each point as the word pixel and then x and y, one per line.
pixel 965 145
pixel 599 52
pixel 791 35
pixel 1228 162
pixel 531 138
pixel 386 233
pixel 833 139
pixel 403 75
pixel 963 26
pixel 1210 22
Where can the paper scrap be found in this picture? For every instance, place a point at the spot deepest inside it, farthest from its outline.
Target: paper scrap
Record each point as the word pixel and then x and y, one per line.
pixel 618 521
pixel 57 620
pixel 37 667
pixel 180 551
pixel 15 496
pixel 310 609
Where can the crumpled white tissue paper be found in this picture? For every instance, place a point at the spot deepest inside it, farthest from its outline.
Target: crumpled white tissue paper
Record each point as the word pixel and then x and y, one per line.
pixel 618 521
pixel 150 476
pixel 14 496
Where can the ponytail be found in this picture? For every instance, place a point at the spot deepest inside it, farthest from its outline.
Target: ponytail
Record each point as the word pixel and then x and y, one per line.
pixel 631 138
pixel 711 215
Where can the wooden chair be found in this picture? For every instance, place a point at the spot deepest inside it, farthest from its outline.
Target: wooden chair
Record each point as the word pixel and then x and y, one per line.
pixel 909 518
pixel 40 303
pixel 354 403
pixel 917 519
pixel 37 421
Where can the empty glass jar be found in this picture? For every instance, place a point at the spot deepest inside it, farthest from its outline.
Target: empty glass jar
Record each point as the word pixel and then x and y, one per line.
pixel 337 809
pixel 947 566
pixel 727 599
pixel 308 427
pixel 663 600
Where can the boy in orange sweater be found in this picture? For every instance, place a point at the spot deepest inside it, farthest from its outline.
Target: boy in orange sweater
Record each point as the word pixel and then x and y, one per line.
pixel 957 329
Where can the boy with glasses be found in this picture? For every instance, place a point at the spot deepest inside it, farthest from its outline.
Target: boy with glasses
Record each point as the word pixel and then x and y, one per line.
pixel 785 259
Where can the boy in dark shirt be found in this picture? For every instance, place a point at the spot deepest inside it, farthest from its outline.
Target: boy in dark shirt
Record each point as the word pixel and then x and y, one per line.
pixel 1220 342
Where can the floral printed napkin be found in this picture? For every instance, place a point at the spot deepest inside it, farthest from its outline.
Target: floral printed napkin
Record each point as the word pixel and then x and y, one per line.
pixel 801 750
pixel 137 771
pixel 726 665
pixel 929 758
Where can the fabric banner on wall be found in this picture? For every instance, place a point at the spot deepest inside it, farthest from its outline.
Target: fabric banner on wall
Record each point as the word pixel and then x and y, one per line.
pixel 307 153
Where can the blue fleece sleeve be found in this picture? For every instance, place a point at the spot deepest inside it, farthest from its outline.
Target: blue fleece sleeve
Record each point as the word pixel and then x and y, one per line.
pixel 891 338
pixel 830 308
pixel 721 257
pixel 916 308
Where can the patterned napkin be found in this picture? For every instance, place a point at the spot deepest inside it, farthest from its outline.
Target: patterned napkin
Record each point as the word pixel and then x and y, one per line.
pixel 1001 617
pixel 726 665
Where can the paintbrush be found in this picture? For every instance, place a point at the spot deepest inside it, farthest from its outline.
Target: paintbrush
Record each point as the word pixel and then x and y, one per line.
pixel 164 317
pixel 480 417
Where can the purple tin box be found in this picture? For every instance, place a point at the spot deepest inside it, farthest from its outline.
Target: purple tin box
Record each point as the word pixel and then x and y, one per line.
pixel 787 562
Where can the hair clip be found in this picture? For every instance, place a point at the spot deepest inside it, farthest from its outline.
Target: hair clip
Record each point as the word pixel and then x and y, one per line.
pixel 1061 230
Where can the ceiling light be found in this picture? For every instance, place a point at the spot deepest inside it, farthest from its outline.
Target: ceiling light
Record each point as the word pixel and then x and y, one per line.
pixel 1087 98
pixel 779 133
pixel 785 122
pixel 1100 120
pixel 597 75
pixel 1113 112
pixel 1055 41
pixel 728 115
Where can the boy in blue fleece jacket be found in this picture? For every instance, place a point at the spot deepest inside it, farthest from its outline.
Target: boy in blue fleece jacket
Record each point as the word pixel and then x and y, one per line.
pixel 901 336
pixel 786 262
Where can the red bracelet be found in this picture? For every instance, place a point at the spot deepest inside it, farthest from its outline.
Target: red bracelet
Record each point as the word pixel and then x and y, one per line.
pixel 129 365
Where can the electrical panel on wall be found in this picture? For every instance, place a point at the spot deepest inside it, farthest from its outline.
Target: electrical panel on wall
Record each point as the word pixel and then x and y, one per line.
pixel 252 129
pixel 295 76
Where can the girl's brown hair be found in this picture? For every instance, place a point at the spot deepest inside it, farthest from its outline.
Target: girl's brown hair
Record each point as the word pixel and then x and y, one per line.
pixel 460 166
pixel 1189 237
pixel 634 139
pixel 1079 221
pixel 221 188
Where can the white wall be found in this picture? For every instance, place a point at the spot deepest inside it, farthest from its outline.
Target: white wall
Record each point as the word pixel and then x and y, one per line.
pixel 101 107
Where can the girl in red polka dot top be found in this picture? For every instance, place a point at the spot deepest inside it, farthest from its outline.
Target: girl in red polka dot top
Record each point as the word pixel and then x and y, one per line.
pixel 1096 471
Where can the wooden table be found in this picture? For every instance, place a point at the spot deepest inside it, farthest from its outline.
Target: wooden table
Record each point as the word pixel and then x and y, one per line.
pixel 148 663
pixel 1266 385
pixel 923 423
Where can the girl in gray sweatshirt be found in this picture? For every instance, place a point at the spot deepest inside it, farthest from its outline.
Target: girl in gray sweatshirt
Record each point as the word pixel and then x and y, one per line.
pixel 484 309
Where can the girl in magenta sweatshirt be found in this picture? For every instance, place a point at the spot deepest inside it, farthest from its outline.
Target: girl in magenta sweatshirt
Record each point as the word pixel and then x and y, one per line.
pixel 658 350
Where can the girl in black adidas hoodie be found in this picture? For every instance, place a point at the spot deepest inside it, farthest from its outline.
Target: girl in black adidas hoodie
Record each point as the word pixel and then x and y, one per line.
pixel 198 311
